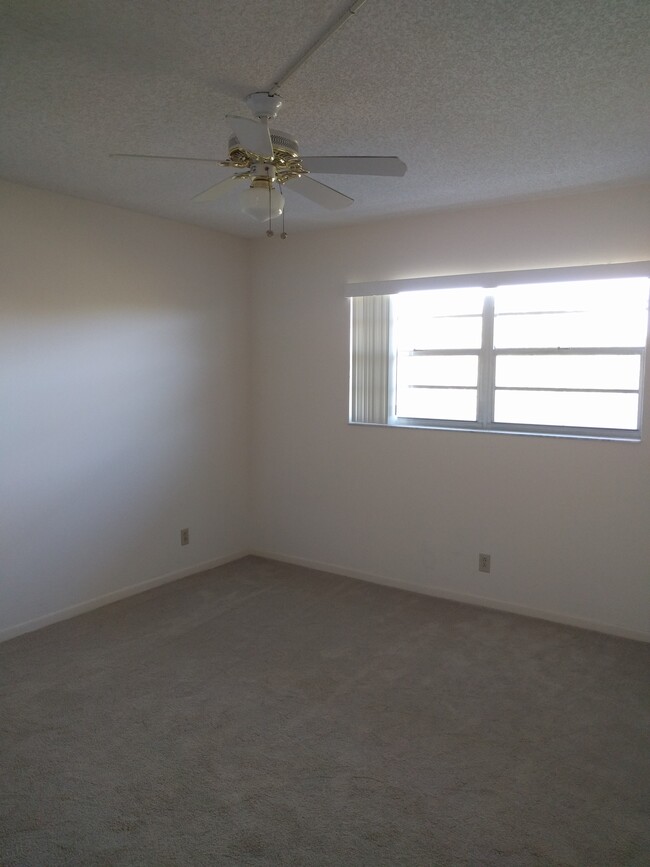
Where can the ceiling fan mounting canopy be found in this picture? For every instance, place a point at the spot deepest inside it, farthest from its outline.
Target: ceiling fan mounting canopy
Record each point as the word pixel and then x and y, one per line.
pixel 264 106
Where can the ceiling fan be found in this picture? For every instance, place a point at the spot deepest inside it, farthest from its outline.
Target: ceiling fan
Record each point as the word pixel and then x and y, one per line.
pixel 269 160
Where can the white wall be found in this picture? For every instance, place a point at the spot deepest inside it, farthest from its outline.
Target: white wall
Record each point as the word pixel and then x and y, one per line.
pixel 124 348
pixel 123 367
pixel 566 521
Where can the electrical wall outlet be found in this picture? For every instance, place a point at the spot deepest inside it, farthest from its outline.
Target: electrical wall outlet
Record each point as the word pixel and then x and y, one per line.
pixel 185 536
pixel 483 562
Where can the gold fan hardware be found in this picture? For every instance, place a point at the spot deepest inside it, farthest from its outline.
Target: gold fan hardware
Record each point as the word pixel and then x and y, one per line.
pixel 285 159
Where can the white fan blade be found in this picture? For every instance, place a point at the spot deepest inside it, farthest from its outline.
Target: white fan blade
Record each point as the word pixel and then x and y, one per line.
pixel 386 166
pixel 160 157
pixel 218 190
pixel 319 193
pixel 253 135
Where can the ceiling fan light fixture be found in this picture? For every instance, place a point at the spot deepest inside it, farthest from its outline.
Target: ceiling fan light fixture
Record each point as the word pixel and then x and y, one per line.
pixel 262 201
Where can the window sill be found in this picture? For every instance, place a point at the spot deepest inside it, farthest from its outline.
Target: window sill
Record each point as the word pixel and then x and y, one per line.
pixel 632 437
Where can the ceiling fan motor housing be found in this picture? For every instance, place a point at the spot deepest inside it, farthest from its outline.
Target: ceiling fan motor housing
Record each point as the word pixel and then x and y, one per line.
pixel 285 162
pixel 282 142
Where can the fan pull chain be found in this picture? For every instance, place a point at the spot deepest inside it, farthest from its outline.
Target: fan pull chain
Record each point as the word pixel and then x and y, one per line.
pixel 269 231
pixel 283 234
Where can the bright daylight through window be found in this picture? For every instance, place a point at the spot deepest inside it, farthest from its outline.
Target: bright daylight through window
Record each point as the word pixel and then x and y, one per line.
pixel 563 358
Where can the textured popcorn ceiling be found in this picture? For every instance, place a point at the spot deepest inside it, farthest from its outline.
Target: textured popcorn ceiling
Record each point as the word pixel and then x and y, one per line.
pixel 483 99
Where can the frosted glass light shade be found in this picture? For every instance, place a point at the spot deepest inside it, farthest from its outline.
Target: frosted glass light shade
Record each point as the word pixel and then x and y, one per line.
pixel 255 202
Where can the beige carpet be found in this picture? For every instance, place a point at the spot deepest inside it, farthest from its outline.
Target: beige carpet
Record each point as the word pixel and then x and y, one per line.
pixel 265 714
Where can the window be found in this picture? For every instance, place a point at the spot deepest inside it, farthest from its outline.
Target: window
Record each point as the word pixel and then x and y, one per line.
pixel 563 357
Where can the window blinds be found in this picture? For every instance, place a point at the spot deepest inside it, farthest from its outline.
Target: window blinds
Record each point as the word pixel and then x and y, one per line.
pixel 370 346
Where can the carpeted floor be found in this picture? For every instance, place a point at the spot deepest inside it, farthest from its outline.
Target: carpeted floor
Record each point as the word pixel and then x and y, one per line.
pixel 266 714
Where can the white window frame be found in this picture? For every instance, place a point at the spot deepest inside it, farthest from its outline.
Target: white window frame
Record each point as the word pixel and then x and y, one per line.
pixel 383 352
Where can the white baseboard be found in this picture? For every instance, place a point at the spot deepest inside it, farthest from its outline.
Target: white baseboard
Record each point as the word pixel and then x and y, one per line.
pixel 469 598
pixel 114 596
pixel 438 592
